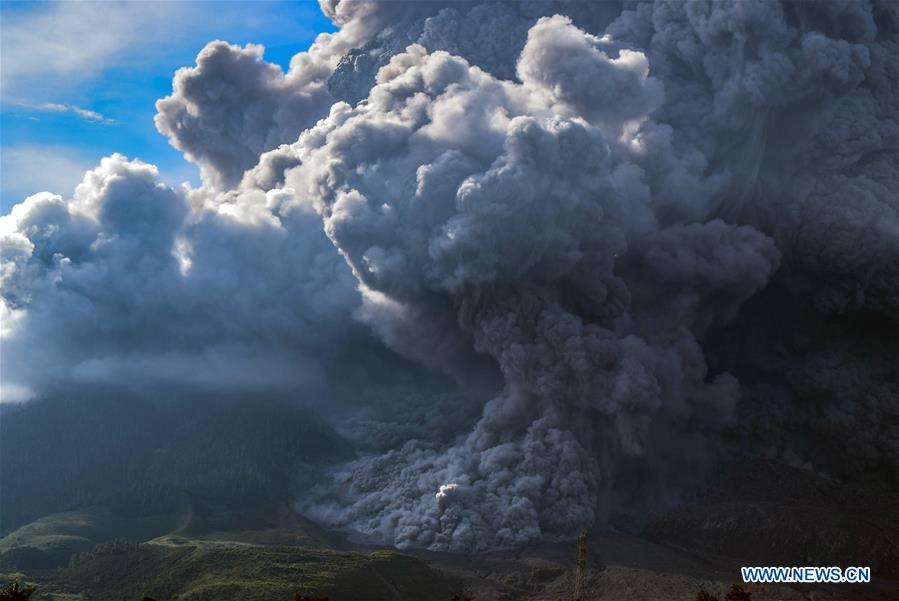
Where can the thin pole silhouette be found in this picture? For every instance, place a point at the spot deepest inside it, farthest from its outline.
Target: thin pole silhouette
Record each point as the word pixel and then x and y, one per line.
pixel 580 574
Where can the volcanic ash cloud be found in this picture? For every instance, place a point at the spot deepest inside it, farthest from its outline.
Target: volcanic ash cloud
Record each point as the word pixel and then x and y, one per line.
pixel 623 233
pixel 520 216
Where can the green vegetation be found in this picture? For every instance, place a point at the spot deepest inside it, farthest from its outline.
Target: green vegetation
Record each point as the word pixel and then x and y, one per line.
pixel 16 592
pixel 207 571
pixel 50 541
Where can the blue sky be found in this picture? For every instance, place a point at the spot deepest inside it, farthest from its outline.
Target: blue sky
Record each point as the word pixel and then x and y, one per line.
pixel 80 79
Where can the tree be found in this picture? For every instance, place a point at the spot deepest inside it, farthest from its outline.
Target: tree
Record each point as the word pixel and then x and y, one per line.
pixel 14 592
pixel 704 595
pixel 736 593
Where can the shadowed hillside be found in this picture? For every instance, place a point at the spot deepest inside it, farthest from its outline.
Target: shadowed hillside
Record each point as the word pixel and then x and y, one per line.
pixel 765 513
pixel 136 457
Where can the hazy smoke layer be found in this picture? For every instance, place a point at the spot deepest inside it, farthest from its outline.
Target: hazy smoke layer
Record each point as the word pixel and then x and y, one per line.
pixel 658 222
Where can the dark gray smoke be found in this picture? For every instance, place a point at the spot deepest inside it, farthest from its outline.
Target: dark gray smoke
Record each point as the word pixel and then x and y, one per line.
pixel 664 225
pixel 525 212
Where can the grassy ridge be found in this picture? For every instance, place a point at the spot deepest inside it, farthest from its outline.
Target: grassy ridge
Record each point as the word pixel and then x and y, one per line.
pixel 53 539
pixel 184 556
pixel 188 570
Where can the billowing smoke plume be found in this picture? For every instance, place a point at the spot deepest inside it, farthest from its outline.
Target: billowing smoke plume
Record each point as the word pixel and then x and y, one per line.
pixel 663 225
pixel 127 283
pixel 524 211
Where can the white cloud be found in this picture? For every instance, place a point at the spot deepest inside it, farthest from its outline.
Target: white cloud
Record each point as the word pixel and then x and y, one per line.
pixel 73 42
pixel 83 113
pixel 77 40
